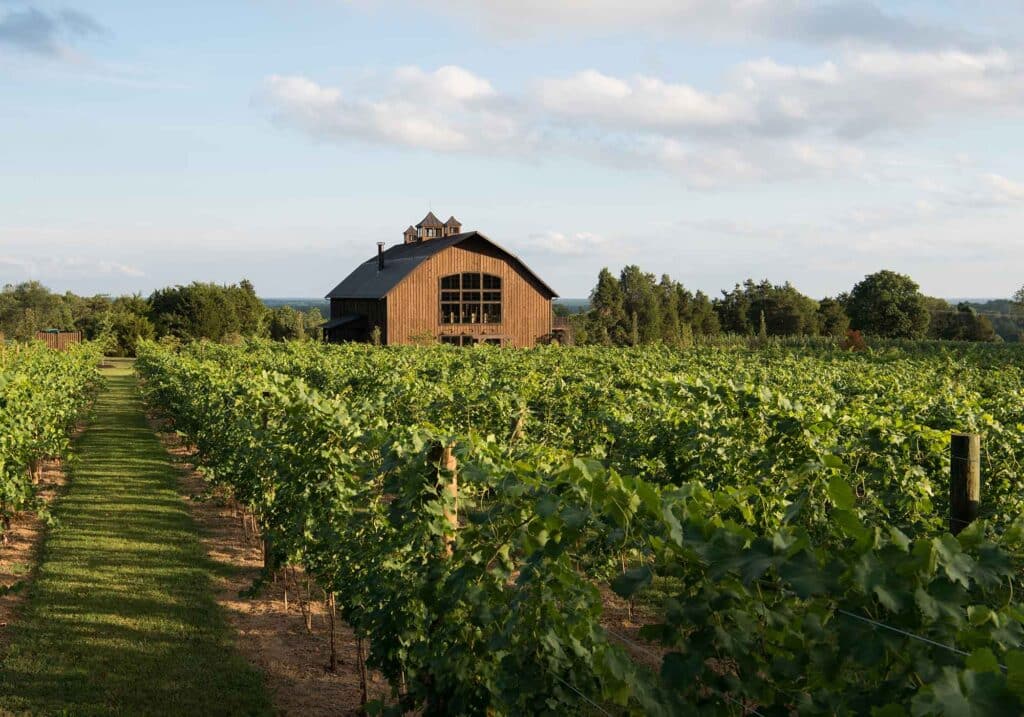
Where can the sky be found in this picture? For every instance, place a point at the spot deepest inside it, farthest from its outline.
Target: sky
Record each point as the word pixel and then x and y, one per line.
pixel 150 144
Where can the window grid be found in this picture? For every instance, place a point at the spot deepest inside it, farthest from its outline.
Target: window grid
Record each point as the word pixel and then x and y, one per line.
pixel 471 298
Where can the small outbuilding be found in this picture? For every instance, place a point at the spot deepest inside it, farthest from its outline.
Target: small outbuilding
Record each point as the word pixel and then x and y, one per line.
pixel 59 340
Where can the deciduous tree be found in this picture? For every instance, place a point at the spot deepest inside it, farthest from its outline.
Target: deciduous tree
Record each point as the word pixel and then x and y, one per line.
pixel 890 305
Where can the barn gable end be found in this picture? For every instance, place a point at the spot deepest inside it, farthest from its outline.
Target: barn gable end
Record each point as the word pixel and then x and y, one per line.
pixel 415 304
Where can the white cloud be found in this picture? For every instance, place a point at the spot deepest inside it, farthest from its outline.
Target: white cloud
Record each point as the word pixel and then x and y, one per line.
pixel 446 83
pixel 301 92
pixel 1005 189
pixel 638 102
pixel 444 110
pixel 826 73
pixel 64 267
pixel 863 92
pixel 769 121
pixel 971 190
pixel 828 157
pixel 576 244
pixel 875 91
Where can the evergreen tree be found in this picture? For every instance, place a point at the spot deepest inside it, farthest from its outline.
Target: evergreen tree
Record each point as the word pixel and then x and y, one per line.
pixel 640 297
pixel 608 315
pixel 685 336
pixel 699 312
pixel 832 318
pixel 667 294
pixel 733 311
pixel 786 311
pixel 652 326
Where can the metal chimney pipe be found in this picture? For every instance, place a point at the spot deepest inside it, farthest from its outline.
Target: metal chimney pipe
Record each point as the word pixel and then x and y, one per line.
pixel 380 256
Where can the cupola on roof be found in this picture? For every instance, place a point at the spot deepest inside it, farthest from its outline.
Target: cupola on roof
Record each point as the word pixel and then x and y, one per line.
pixel 430 227
pixel 430 221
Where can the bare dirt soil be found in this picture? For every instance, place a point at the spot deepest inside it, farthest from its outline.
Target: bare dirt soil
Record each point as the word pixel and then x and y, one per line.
pixel 294 661
pixel 19 557
pixel 623 621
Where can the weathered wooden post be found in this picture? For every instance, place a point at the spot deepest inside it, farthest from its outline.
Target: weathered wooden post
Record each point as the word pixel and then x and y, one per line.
pixel 269 563
pixel 964 480
pixel 449 463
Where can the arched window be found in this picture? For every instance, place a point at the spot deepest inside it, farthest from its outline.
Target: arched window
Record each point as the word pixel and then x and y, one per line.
pixel 471 298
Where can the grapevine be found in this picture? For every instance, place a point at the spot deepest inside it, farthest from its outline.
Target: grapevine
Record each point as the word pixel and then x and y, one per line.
pixel 784 514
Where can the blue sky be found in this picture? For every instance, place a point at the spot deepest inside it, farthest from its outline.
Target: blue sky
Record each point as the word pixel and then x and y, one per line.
pixel 714 140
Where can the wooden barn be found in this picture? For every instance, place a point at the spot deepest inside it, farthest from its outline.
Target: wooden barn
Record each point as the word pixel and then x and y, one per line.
pixel 442 284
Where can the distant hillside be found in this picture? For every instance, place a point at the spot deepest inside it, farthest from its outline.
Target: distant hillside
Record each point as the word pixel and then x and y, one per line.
pixel 1003 307
pixel 573 306
pixel 299 304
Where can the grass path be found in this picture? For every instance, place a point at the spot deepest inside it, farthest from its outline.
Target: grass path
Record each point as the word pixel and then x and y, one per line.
pixel 121 617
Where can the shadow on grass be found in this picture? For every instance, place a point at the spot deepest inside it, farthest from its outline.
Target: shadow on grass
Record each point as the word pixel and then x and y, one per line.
pixel 121 618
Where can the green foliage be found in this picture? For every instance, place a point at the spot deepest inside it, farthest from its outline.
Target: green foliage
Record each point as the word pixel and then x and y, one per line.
pixel 607 312
pixel 888 304
pixel 124 325
pixel 313 320
pixel 789 505
pixel 43 393
pixel 642 305
pixel 423 338
pixel 633 310
pixel 963 324
pixel 29 307
pixel 210 311
pixel 832 318
pixel 286 324
pixel 191 312
pixel 782 310
pixel 668 307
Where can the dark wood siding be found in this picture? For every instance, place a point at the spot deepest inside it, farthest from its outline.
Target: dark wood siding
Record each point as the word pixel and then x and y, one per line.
pixel 375 311
pixel 413 307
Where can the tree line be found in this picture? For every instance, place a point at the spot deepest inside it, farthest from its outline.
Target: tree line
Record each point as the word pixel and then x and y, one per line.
pixel 637 308
pixel 219 312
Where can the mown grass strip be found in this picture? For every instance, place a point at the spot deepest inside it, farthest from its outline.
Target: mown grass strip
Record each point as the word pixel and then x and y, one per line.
pixel 121 618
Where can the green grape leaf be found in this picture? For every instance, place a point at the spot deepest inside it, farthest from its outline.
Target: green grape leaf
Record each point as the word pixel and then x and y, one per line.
pixel 982 660
pixel 840 493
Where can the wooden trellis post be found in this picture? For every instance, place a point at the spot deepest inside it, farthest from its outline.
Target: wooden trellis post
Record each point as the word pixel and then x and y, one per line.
pixel 449 463
pixel 964 480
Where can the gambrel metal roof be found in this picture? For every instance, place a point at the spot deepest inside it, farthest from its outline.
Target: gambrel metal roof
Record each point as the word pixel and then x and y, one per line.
pixel 367 282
